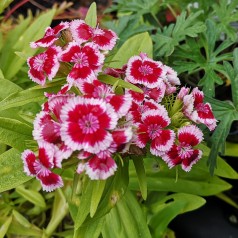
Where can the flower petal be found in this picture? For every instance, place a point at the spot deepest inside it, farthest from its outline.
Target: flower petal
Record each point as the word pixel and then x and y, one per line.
pixel 86 122
pixel 81 32
pixel 29 159
pixel 142 136
pixel 50 181
pixel 157 117
pixel 172 157
pixel 144 71
pixel 121 104
pixel 162 143
pixel 190 161
pixel 45 129
pixel 100 169
pixel 104 39
pixel 190 135
pixel 51 35
pixel 46 155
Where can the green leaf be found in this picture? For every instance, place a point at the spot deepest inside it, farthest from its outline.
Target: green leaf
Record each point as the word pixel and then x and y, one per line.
pixel 32 196
pixel 34 32
pixel 189 57
pixel 4 4
pixel 166 209
pixel 115 189
pixel 223 169
pixel 4 227
pixel 7 88
pixel 59 211
pixel 127 26
pixel 14 133
pixel 127 220
pixel 18 229
pixel 91 17
pixel 1 74
pixel 135 6
pixel 133 46
pixel 112 81
pixel 160 178
pixel 167 39
pixel 21 219
pixel 231 149
pixel 234 80
pixel 226 113
pixel 7 52
pixel 98 188
pixel 140 170
pixel 91 230
pixel 226 13
pixel 11 170
pixel 227 199
pixel 84 206
pixel 35 94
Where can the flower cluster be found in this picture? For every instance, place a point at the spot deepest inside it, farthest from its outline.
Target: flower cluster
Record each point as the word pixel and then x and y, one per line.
pixel 92 122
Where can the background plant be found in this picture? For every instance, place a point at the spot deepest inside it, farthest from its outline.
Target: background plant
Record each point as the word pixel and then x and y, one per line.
pixel 196 39
pixel 120 197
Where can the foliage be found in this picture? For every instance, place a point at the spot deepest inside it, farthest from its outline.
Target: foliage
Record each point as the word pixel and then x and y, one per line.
pixel 195 38
pixel 144 192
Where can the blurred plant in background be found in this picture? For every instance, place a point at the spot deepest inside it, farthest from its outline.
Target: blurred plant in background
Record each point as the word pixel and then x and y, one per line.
pixel 141 195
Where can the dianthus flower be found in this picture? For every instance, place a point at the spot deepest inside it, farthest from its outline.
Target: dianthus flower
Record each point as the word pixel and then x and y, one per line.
pixel 51 35
pixel 153 129
pixel 120 103
pixel 198 111
pixel 86 123
pixel 44 65
pixel 145 71
pixel 183 152
pixel 40 166
pixel 82 32
pixel 87 62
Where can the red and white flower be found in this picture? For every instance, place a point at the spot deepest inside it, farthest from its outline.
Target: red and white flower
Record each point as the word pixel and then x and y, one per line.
pixel 96 89
pixel 137 110
pixel 87 62
pixel 81 32
pixel 41 166
pixel 171 76
pixel 47 126
pixel 100 168
pixel 198 111
pixel 153 129
pixel 145 71
pixel 86 123
pixel 46 129
pixel 51 35
pixel 183 152
pixel 44 65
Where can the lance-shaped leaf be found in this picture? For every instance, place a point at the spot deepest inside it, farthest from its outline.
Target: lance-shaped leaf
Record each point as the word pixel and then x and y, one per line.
pixel 60 210
pixel 11 170
pixel 140 170
pixel 169 207
pixel 7 88
pixel 198 181
pixel 133 46
pixel 14 133
pixel 127 220
pixel 91 17
pixel 33 31
pixel 34 94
